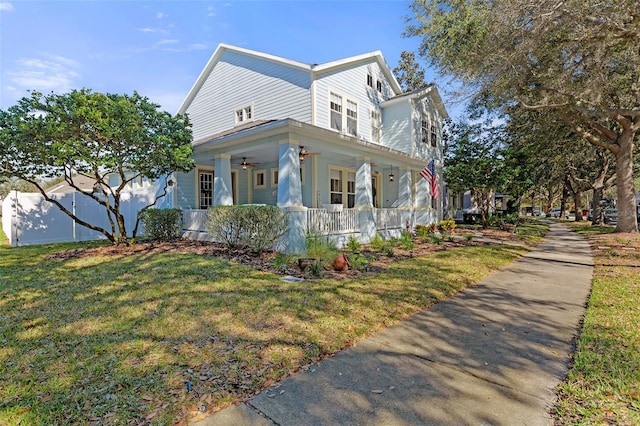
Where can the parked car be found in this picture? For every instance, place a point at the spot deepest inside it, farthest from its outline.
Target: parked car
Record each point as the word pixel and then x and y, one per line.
pixel 556 213
pixel 610 216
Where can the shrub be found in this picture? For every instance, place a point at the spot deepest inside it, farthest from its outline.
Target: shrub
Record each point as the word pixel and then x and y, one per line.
pixel 435 239
pixel 360 262
pixel 387 249
pixel 353 244
pixel 162 224
pixel 256 228
pixel 281 261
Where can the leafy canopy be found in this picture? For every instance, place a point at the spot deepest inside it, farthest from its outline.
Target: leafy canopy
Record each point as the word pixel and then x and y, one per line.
pixel 95 135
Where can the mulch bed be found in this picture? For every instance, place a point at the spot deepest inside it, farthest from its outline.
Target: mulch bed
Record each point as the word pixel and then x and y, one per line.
pixel 264 261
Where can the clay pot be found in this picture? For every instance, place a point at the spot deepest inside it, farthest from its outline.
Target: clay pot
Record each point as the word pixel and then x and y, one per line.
pixel 341 263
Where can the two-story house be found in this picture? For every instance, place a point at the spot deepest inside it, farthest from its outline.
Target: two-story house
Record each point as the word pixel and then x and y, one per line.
pixel 338 146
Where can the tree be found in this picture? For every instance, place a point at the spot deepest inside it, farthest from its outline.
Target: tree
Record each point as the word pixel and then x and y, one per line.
pixel 94 135
pixel 578 58
pixel 409 73
pixel 475 161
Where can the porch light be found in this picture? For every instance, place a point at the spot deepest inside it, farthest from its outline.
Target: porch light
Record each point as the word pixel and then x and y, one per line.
pixel 303 152
pixel 244 163
pixel 391 175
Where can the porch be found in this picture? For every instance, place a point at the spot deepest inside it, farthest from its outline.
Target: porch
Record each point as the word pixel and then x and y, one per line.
pixel 337 226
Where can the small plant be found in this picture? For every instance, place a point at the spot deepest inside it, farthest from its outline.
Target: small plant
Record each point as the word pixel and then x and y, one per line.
pixel 387 250
pixel 360 263
pixel 434 239
pixel 433 228
pixel 468 237
pixel 281 261
pixel 406 242
pixel 422 231
pixel 320 247
pixel 353 244
pixel 446 226
pixel 376 242
pixel 315 268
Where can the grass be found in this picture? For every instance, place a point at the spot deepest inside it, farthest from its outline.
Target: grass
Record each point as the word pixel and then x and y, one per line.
pixel 603 386
pixel 153 338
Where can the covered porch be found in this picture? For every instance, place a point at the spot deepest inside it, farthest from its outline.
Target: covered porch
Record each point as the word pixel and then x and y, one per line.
pixel 325 182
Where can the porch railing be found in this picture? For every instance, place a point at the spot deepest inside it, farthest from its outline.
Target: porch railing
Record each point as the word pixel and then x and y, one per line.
pixel 319 220
pixel 332 222
pixel 388 219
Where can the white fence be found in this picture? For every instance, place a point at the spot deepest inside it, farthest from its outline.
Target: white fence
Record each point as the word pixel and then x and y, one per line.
pixel 28 219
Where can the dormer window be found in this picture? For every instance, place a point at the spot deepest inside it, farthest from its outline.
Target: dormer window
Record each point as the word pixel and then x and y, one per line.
pixel 244 114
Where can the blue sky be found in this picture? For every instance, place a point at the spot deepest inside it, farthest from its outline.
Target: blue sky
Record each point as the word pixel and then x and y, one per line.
pixel 159 48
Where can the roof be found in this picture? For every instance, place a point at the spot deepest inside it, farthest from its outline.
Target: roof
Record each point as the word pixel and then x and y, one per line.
pixel 311 68
pixel 83 182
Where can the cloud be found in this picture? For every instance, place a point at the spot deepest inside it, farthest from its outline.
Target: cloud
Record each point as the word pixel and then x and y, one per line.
pixel 165 41
pixel 5 6
pixel 152 30
pixel 53 73
pixel 161 15
pixel 211 11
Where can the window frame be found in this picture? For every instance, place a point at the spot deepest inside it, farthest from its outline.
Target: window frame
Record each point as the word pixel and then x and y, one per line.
pixel 245 112
pixel 200 173
pixel 376 125
pixel 262 172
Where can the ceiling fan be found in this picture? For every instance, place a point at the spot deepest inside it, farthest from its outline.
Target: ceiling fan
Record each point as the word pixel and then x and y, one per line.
pixel 244 164
pixel 304 153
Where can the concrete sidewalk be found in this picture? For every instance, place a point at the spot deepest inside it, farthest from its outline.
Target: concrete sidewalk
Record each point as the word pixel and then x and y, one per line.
pixel 492 354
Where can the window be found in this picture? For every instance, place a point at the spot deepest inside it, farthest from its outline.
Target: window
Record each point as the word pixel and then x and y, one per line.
pixel 352 118
pixel 274 178
pixel 205 182
pixel 376 126
pixel 351 189
pixel 379 86
pixel 336 186
pixel 336 112
pixel 244 114
pixel 259 179
pixel 424 131
pixel 434 140
pixel 369 80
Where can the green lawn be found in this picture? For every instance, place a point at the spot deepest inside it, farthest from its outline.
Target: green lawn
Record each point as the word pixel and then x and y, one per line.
pixel 150 338
pixel 603 387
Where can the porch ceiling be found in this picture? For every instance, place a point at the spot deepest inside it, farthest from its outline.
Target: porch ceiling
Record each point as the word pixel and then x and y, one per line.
pixel 260 144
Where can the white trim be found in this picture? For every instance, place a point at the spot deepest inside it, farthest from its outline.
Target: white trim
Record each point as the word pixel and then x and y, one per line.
pixel 245 110
pixel 273 180
pixel 344 101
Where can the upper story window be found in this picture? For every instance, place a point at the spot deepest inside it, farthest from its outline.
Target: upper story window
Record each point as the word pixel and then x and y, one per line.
pixel 243 114
pixel 379 86
pixel 424 131
pixel 352 118
pixel 336 112
pixel 369 80
pixel 376 126
pixel 434 136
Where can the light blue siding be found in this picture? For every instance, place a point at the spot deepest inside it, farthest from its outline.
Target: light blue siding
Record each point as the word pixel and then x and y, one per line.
pixel 397 132
pixel 275 91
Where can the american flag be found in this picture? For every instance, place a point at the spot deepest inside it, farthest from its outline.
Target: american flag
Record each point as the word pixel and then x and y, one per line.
pixel 429 173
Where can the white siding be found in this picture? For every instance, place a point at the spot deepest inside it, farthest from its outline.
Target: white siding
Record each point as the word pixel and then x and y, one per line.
pixel 351 83
pixel 274 90
pixel 397 127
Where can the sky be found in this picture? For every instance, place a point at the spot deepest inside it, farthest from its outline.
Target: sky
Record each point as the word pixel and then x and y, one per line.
pixel 158 48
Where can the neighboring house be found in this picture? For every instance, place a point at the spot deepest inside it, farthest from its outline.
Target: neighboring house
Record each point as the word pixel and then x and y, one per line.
pixel 337 146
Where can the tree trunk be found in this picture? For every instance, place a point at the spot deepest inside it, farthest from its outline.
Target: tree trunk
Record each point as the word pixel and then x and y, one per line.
pixel 626 204
pixel 577 201
pixel 597 218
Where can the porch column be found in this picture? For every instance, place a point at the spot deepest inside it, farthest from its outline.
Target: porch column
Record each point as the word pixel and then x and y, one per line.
pixel 222 193
pixel 289 188
pixel 364 199
pixel 405 195
pixel 290 196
